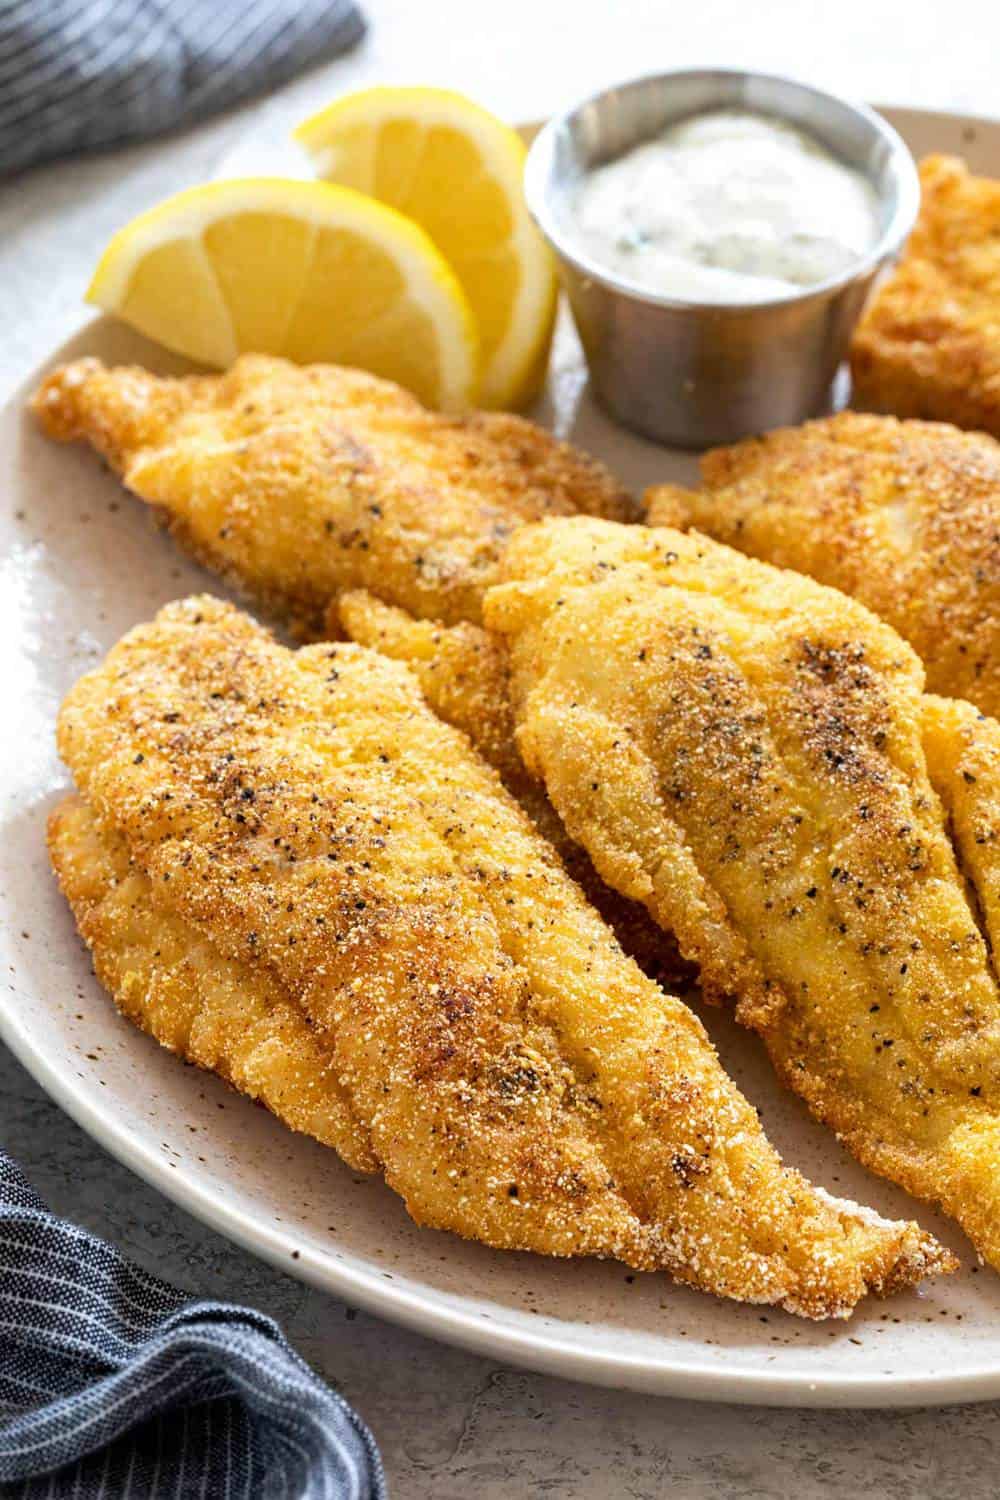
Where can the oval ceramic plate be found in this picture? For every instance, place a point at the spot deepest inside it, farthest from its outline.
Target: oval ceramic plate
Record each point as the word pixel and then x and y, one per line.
pixel 81 563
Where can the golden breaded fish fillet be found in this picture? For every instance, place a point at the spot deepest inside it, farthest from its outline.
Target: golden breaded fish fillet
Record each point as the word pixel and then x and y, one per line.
pixel 749 753
pixel 903 515
pixel 300 483
pixel 168 977
pixel 464 674
pixel 928 344
pixel 514 1076
pixel 296 483
pixel 963 759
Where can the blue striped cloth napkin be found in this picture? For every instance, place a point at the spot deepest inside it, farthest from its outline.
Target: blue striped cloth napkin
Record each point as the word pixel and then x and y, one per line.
pixel 114 1385
pixel 79 74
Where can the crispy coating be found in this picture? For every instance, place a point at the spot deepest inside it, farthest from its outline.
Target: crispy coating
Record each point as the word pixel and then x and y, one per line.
pixel 296 483
pixel 168 977
pixel 464 674
pixel 743 750
pixel 301 483
pixel 903 515
pixel 963 759
pixel 928 344
pixel 515 1077
pixel 462 669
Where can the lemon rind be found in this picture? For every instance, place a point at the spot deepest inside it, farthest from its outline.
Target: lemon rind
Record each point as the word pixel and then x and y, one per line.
pixel 503 153
pixel 430 280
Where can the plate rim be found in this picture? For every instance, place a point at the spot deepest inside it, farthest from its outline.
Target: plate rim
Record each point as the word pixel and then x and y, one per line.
pixel 544 1352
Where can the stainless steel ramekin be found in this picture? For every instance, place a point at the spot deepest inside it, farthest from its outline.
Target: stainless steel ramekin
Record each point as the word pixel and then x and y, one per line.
pixel 694 374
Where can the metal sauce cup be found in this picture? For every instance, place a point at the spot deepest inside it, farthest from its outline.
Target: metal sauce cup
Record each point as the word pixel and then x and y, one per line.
pixel 693 374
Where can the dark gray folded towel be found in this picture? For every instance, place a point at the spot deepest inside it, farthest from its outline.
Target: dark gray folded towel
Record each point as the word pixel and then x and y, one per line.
pixel 78 74
pixel 113 1383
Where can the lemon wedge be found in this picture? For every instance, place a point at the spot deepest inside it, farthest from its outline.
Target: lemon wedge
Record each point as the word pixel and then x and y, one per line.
pixel 457 171
pixel 302 269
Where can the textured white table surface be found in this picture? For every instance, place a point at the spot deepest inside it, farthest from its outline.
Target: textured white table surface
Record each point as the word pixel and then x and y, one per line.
pixel 453 1425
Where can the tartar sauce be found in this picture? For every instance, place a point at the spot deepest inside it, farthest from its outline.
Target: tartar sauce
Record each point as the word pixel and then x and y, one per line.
pixel 726 207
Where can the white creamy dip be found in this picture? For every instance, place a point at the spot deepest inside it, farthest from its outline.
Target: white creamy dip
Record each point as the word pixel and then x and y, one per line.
pixel 725 207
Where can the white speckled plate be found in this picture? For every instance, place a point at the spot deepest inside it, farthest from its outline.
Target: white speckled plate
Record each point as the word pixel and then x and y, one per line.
pixel 81 563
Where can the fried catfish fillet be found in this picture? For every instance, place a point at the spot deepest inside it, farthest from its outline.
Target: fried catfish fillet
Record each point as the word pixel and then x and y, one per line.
pixel 296 483
pixel 301 821
pixel 464 674
pixel 928 344
pixel 168 977
pixel 748 753
pixel 463 670
pixel 903 515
